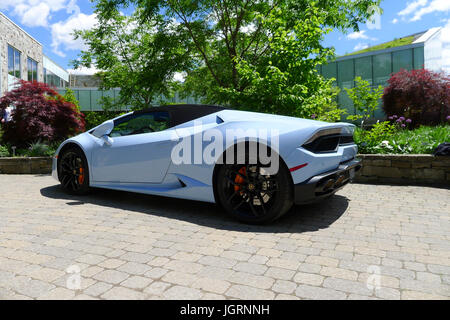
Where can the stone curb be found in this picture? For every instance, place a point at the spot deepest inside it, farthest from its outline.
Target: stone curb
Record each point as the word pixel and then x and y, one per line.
pixel 377 168
pixel 25 165
pixel 404 169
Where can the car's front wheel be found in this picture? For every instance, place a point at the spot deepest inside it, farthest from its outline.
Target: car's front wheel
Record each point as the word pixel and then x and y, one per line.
pixel 251 195
pixel 73 171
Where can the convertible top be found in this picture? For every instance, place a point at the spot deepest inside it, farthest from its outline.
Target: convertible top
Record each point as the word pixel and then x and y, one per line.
pixel 181 113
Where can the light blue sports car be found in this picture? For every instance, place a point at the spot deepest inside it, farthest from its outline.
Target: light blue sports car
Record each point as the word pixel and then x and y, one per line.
pixel 255 165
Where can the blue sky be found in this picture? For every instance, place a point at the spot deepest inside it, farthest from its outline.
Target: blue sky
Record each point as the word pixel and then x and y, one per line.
pixel 51 22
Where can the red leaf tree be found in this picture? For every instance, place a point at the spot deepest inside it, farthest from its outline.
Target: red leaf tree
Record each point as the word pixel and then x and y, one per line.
pixel 39 113
pixel 421 95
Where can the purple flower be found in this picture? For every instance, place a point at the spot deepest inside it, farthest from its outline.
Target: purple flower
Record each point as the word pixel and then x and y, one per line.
pixel 402 118
pixel 394 116
pixel 448 118
pixel 408 120
pixel 313 116
pixel 391 118
pixel 403 125
pixel 399 121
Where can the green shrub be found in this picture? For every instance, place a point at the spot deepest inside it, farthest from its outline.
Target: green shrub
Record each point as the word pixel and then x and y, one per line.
pixel 372 141
pixel 386 138
pixel 38 149
pixel 69 96
pixel 365 99
pixel 4 152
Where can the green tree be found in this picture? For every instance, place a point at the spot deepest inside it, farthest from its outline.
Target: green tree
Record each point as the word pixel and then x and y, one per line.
pixel 289 83
pixel 140 57
pixel 365 99
pixel 225 40
pixel 69 96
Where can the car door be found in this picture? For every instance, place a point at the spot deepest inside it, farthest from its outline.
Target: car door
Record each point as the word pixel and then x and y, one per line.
pixel 138 152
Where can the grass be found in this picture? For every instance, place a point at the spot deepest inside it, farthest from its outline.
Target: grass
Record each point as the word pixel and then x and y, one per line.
pixel 391 44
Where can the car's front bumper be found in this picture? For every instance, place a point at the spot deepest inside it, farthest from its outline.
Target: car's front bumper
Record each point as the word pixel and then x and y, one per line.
pixel 326 184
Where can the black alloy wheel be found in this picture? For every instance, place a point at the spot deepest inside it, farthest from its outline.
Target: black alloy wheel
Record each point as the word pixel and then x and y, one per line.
pixel 251 195
pixel 73 171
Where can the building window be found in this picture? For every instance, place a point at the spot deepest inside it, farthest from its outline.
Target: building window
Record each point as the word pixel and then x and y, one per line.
pixel 14 62
pixel 53 80
pixel 32 69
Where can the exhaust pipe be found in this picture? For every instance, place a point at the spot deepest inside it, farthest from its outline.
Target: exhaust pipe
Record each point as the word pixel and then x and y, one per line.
pixel 329 184
pixel 339 180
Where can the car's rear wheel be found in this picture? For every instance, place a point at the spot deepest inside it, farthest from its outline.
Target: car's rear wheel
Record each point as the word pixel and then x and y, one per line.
pixel 73 171
pixel 251 195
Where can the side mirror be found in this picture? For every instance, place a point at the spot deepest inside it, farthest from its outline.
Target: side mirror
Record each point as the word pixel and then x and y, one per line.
pixel 104 129
pixel 107 139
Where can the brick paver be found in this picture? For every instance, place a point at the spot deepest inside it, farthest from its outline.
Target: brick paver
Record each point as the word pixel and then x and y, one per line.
pixel 367 242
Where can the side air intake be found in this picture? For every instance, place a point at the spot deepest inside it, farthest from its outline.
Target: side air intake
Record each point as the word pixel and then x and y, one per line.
pixel 329 140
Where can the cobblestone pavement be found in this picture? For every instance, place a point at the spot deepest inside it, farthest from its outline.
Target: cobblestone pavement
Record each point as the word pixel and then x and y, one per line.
pixel 115 245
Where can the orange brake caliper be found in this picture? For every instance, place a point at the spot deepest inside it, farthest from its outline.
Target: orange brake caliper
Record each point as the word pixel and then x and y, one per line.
pixel 81 176
pixel 239 179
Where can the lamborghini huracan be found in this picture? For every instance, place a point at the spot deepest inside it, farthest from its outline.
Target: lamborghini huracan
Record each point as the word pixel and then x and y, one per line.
pixel 254 165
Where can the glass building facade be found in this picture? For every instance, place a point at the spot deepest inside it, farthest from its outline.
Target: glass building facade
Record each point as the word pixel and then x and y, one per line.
pixel 53 80
pixel 376 67
pixel 90 98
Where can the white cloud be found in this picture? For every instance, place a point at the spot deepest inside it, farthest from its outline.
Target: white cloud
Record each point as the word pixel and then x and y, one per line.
pixel 38 13
pixel 360 35
pixel 412 6
pixel 434 6
pixel 417 9
pixel 394 21
pixel 84 71
pixel 7 4
pixel 357 35
pixel 179 76
pixel 35 13
pixel 360 46
pixel 36 16
pixel 249 28
pixel 62 32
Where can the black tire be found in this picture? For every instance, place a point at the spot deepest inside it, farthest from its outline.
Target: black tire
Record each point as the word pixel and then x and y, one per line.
pixel 73 171
pixel 253 197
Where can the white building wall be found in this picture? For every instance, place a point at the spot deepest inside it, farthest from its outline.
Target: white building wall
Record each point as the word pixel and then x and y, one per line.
pixel 12 34
pixel 445 38
pixel 437 52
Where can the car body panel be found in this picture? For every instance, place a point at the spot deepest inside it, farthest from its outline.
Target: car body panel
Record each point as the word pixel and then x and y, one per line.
pixel 140 158
pixel 142 162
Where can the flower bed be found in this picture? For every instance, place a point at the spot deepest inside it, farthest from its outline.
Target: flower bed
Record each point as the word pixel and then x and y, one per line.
pixel 387 138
